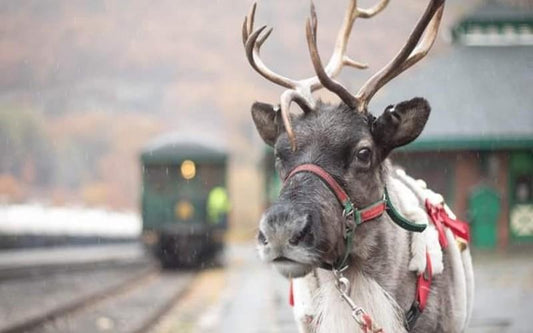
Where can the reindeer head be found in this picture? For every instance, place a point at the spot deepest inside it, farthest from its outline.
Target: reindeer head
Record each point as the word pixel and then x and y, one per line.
pixel 305 227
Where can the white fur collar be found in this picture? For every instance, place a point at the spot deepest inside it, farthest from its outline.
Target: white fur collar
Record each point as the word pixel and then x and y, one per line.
pixel 332 314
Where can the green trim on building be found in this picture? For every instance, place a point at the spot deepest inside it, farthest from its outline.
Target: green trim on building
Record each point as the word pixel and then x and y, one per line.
pixel 501 27
pixel 492 15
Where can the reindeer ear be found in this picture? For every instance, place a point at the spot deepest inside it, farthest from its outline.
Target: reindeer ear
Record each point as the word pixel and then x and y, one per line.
pixel 267 121
pixel 401 124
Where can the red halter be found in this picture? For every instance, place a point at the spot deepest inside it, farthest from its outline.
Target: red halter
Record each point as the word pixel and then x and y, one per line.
pixel 361 215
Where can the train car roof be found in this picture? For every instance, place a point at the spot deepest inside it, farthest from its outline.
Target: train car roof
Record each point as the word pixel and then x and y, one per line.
pixel 177 147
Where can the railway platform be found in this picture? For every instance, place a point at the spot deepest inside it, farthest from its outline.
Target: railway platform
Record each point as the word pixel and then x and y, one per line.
pixel 249 296
pixel 27 262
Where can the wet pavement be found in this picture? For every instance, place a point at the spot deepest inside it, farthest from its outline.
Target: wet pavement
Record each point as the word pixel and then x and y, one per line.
pixel 245 296
pixel 248 296
pixel 504 292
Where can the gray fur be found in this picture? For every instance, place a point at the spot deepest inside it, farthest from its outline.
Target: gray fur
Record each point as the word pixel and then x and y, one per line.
pixel 330 137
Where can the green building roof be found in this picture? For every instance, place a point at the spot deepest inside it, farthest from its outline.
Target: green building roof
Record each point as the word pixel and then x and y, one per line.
pixel 481 95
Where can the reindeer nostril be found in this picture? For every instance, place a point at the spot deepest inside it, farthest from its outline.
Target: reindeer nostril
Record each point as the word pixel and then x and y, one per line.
pixel 261 238
pixel 305 233
pixel 295 239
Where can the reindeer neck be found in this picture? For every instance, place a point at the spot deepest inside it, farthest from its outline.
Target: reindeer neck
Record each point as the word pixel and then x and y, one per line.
pixel 382 252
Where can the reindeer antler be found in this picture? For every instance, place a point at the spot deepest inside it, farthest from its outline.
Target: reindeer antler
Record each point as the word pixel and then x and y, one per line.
pixel 300 91
pixel 408 55
pixel 413 50
pixel 252 45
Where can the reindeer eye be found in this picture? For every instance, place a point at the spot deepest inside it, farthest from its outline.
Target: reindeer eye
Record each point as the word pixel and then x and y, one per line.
pixel 364 155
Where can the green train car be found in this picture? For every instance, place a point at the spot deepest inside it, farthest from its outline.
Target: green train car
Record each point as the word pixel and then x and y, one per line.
pixel 184 200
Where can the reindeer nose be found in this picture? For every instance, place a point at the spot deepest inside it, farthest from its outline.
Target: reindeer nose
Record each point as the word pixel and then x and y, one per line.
pixel 283 224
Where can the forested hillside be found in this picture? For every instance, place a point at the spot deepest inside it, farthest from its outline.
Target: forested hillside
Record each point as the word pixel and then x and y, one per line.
pixel 85 83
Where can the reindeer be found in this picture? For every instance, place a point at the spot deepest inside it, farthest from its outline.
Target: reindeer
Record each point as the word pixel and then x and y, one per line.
pixel 349 228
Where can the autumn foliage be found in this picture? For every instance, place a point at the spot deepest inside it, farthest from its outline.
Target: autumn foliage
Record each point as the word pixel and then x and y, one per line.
pixel 89 158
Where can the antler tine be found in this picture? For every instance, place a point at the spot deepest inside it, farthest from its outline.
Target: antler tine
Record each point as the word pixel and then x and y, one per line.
pixel 410 53
pixel 252 44
pixel 425 45
pixel 339 58
pixel 368 13
pixel 325 79
pixel 248 23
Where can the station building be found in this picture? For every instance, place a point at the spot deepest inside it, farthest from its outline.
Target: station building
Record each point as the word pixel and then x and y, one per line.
pixel 477 147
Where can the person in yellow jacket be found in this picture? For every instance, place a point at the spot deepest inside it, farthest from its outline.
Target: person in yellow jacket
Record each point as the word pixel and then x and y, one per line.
pixel 218 206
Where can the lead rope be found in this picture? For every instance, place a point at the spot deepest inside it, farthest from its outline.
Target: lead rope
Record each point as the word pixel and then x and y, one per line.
pixel 361 317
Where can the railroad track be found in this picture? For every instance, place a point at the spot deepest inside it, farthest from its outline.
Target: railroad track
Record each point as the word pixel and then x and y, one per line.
pixel 131 305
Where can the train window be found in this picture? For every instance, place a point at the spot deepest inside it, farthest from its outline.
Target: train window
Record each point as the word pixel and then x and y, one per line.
pixel 157 177
pixel 523 185
pixel 211 175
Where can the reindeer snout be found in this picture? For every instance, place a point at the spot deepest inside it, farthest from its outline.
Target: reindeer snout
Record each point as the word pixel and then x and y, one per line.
pixel 283 225
pixel 288 238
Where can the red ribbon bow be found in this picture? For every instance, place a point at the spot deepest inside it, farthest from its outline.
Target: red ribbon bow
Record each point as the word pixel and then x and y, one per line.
pixel 440 218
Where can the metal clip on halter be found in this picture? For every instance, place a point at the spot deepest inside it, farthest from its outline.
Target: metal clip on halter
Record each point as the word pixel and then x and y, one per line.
pixel 349 210
pixel 343 286
pixel 352 217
